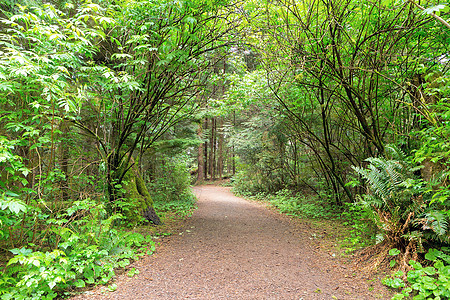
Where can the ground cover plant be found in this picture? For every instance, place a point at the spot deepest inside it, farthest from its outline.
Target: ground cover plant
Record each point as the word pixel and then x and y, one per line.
pixel 89 250
pixel 429 281
pixel 86 251
pixel 110 110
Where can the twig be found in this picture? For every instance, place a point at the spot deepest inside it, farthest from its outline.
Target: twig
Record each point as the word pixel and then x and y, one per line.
pixel 431 13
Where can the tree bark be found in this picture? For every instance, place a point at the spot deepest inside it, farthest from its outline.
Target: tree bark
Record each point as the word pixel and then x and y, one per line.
pixel 220 151
pixel 200 156
pixel 232 148
pixel 212 151
pixel 205 148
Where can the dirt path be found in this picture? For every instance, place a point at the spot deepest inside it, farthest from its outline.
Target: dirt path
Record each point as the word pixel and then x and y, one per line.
pixel 235 249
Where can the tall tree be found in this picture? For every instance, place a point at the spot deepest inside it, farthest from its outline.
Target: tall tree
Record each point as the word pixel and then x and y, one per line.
pixel 153 69
pixel 338 71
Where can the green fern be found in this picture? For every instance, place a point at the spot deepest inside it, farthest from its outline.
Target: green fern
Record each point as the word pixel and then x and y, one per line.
pixel 394 152
pixel 384 177
pixel 402 205
pixel 436 221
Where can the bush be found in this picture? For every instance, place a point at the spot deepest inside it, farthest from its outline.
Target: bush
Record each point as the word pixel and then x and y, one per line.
pixel 402 205
pixel 245 184
pixel 287 202
pixel 171 190
pixel 88 249
pixel 423 282
pixel 173 181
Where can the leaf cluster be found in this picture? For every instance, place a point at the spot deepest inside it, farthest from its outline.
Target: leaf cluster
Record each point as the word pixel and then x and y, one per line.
pixel 401 204
pixel 424 282
pixel 88 251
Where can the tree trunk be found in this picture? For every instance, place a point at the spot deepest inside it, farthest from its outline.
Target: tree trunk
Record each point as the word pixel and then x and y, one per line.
pixel 229 161
pixel 220 151
pixel 132 188
pixel 232 148
pixel 212 150
pixel 200 156
pixel 64 160
pixel 205 148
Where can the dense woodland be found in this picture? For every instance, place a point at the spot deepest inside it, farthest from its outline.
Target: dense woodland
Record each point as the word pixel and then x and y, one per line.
pixel 110 110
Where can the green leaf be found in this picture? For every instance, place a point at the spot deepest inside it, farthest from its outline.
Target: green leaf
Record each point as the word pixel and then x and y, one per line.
pixel 416 265
pixel 392 263
pixel 434 9
pixel 393 282
pixel 190 20
pixel 15 206
pixel 80 283
pixel 432 254
pixel 394 252
pixel 430 270
pixel 133 272
pixel 90 280
pixel 124 263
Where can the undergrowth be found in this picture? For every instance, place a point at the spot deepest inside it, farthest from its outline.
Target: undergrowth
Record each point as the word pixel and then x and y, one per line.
pixel 427 280
pixel 182 208
pixel 297 205
pixel 89 248
pixel 171 190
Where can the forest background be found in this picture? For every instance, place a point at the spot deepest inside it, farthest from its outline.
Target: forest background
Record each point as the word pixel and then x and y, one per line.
pixel 110 110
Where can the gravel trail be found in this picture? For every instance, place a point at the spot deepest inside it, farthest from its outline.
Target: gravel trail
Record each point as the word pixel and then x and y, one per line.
pixel 235 249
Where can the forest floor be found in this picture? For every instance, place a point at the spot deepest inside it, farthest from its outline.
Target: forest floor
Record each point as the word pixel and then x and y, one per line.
pixel 235 249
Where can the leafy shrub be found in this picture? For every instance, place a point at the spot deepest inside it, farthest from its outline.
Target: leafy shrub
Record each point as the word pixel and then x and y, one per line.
pixel 401 205
pixel 299 205
pixel 10 207
pixel 424 282
pixel 173 182
pixel 88 250
pixel 243 184
pixel 362 230
pixel 181 208
pixel 249 182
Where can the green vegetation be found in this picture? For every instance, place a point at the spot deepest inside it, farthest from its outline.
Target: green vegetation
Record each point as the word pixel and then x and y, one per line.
pixel 82 124
pixel 429 282
pixel 110 110
pixel 297 205
pixel 88 250
pixel 402 205
pixel 347 114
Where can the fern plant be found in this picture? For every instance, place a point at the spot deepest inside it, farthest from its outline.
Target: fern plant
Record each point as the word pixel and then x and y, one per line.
pixel 400 203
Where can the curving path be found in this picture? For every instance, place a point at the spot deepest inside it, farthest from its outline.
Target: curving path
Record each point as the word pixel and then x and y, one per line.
pixel 235 249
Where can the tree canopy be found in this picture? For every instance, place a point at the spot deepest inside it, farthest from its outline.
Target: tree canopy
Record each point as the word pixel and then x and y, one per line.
pixel 110 110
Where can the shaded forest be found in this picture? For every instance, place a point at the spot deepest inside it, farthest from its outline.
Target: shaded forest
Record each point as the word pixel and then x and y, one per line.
pixel 111 110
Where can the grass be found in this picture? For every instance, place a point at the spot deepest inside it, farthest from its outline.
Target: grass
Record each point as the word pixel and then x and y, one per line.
pixel 171 213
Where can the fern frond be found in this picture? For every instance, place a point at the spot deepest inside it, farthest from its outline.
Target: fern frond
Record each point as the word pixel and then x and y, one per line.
pixel 437 222
pixel 395 172
pixel 395 152
pixel 385 176
pixel 369 201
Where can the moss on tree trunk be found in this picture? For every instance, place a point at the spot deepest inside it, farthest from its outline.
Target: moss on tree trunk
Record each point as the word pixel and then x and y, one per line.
pixel 137 195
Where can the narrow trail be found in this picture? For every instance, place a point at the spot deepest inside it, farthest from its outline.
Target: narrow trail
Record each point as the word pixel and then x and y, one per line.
pixel 235 249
